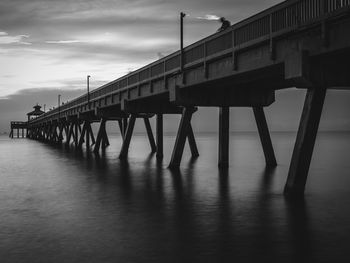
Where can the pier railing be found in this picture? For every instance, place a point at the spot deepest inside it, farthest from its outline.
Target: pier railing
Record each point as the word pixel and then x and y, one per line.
pixel 278 20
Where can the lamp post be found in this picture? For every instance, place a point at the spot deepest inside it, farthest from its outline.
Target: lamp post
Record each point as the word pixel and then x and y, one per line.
pixel 88 90
pixel 59 105
pixel 182 15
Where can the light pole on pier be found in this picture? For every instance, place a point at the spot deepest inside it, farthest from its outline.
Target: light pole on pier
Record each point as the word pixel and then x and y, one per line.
pixel 182 15
pixel 182 60
pixel 88 90
pixel 59 105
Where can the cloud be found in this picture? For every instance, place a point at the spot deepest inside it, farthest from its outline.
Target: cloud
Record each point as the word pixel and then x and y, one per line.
pixel 209 17
pixel 64 41
pixel 5 38
pixel 8 76
pixel 119 39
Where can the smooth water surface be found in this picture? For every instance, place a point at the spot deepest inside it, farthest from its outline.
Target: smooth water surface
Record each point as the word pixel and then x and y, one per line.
pixel 59 205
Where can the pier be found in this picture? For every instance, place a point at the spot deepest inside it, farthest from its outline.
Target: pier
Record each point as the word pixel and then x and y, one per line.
pixel 18 126
pixel 303 44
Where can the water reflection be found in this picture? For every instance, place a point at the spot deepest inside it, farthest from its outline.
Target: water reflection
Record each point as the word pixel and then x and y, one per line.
pixel 300 234
pixel 203 230
pixel 102 209
pixel 225 224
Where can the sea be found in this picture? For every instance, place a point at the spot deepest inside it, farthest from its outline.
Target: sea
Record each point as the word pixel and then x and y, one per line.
pixel 62 205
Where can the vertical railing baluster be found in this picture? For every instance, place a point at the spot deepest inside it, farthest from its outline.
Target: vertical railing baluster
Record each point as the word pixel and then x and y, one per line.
pixel 311 9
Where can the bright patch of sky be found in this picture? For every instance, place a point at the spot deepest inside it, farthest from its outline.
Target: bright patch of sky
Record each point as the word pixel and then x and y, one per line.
pixel 5 38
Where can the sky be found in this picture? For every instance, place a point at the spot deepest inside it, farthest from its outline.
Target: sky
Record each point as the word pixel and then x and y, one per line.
pixel 48 47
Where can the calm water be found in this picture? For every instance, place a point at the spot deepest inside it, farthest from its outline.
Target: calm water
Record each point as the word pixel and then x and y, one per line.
pixel 64 206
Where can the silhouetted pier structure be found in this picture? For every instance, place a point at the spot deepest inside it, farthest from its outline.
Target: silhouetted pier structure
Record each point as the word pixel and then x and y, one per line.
pixel 17 126
pixel 23 125
pixel 303 44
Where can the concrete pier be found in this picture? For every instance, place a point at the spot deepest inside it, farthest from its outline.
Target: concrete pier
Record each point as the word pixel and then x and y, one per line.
pixel 289 45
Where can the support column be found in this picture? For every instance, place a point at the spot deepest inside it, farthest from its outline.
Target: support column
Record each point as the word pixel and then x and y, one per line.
pixel 150 135
pixel 305 141
pixel 50 133
pixel 55 137
pixel 47 132
pixel 265 138
pixel 82 135
pixel 66 129
pixel 159 134
pixel 105 141
pixel 224 137
pixel 120 123
pixel 60 132
pixel 100 135
pixel 44 131
pixel 70 133
pixel 89 129
pixel 87 132
pixel 192 142
pixel 181 137
pixel 125 125
pixel 126 143
pixel 76 135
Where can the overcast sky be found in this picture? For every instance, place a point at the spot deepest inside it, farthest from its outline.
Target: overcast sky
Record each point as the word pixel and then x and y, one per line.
pixel 56 43
pixel 47 47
